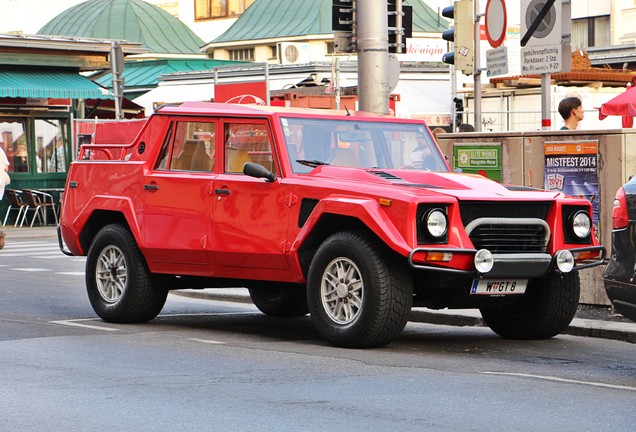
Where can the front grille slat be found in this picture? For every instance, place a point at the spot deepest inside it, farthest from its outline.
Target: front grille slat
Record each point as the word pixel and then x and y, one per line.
pixel 479 209
pixel 509 238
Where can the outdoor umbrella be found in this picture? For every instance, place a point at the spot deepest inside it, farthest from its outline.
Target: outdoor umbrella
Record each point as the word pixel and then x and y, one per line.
pixel 622 105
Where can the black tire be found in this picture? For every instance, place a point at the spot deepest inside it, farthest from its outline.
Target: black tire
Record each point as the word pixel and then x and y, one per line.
pixel 118 280
pixel 370 304
pixel 546 310
pixel 280 301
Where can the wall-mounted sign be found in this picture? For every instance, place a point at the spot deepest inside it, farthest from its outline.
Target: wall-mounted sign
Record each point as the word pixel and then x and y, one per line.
pixel 475 158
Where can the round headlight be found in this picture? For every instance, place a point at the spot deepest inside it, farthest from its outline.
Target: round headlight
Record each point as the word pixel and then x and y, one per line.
pixel 564 261
pixel 436 223
pixel 484 261
pixel 581 224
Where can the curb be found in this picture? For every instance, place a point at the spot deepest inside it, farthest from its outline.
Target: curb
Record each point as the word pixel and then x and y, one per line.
pixel 625 332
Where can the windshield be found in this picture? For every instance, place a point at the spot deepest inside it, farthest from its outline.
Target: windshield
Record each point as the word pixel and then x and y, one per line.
pixel 361 144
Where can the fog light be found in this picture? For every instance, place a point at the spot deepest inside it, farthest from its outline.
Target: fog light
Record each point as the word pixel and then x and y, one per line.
pixel 484 261
pixel 564 261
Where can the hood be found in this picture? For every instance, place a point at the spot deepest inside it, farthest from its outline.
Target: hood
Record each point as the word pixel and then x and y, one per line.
pixel 458 185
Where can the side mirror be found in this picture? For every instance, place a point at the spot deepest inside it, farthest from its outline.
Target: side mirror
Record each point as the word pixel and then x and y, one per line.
pixel 259 171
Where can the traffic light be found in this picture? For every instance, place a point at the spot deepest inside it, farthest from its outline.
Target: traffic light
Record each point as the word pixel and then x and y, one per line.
pixel 343 25
pixel 406 29
pixel 462 35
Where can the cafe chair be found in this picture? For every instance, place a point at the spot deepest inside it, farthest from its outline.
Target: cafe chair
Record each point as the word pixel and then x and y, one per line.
pixel 16 203
pixel 41 202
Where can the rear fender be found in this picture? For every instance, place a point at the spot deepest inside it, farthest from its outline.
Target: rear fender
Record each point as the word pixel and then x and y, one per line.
pixel 100 210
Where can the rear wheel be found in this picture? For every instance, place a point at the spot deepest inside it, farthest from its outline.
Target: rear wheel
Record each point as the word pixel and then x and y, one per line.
pixel 277 300
pixel 118 279
pixel 546 310
pixel 359 293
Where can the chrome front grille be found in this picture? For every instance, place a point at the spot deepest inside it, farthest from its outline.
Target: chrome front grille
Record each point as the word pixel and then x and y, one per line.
pixel 509 235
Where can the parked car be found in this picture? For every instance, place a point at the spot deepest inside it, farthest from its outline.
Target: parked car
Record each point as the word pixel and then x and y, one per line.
pixel 620 274
pixel 352 217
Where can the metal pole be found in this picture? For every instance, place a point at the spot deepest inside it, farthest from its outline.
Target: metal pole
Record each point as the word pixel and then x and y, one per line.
pixel 398 26
pixel 373 56
pixel 477 67
pixel 546 95
pixel 337 88
pixel 267 96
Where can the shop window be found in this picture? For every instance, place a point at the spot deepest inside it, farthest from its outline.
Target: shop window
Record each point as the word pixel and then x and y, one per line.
pixel 210 9
pixel 14 143
pixel 50 145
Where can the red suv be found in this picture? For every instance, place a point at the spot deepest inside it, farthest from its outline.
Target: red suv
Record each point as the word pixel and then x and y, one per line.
pixel 352 218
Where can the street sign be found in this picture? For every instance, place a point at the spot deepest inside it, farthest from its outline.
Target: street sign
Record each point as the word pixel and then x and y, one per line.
pixel 545 37
pixel 496 22
pixel 497 61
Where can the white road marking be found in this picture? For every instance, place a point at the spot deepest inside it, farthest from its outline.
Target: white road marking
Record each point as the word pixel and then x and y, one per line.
pixel 71 273
pixel 31 269
pixel 564 380
pixel 44 248
pixel 76 323
pixel 212 342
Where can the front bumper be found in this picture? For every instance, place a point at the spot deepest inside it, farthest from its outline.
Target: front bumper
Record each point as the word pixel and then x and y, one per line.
pixel 519 265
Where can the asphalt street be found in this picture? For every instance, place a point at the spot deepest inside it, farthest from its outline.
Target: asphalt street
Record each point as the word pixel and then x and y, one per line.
pixel 602 325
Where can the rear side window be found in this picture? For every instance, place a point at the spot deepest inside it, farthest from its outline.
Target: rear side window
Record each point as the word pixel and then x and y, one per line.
pixel 189 146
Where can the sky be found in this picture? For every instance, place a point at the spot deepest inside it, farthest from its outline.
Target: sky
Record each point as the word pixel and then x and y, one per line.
pixel 29 16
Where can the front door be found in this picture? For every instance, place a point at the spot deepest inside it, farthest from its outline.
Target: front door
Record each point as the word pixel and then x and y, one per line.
pixel 251 216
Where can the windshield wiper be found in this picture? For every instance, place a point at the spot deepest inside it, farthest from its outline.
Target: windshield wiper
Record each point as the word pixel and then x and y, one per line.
pixel 311 163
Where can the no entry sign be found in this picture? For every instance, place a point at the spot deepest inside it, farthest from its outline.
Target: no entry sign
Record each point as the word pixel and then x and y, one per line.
pixel 496 22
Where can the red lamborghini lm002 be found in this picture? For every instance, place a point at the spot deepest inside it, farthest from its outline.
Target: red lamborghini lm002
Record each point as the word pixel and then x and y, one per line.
pixel 353 219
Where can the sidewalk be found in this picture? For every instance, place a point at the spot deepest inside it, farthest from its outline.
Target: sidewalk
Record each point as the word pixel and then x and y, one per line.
pixel 605 326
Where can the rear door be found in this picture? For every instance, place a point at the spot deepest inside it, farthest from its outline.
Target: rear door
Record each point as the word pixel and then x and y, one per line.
pixel 176 220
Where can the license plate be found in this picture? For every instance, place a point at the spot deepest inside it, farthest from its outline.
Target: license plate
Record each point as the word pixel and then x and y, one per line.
pixel 497 287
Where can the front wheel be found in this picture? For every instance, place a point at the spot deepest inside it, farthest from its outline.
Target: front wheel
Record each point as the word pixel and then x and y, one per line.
pixel 359 292
pixel 118 279
pixel 546 310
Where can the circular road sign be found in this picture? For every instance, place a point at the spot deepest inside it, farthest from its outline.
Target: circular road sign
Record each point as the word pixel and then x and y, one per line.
pixel 547 23
pixel 496 22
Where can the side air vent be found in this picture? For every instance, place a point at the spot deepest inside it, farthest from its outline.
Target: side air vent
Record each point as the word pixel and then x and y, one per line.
pixel 307 205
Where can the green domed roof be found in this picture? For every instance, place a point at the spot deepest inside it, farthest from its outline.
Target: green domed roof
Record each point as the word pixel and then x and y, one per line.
pixel 131 20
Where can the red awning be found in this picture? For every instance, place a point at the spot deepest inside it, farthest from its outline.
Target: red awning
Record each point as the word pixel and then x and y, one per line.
pixel 622 105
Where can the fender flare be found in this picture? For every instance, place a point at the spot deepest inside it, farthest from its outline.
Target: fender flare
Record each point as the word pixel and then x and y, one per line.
pixel 367 210
pixel 73 231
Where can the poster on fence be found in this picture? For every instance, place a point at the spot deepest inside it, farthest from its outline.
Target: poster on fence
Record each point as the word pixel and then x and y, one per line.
pixel 482 159
pixel 572 168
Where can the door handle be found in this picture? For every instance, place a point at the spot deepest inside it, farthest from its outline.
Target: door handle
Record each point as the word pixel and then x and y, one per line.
pixel 222 191
pixel 151 187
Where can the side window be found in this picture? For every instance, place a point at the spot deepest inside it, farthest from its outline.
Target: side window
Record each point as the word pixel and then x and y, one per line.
pixel 192 147
pixel 247 142
pixel 162 162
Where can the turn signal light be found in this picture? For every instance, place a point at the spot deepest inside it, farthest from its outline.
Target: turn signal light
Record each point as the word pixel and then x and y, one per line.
pixel 438 256
pixel 586 255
